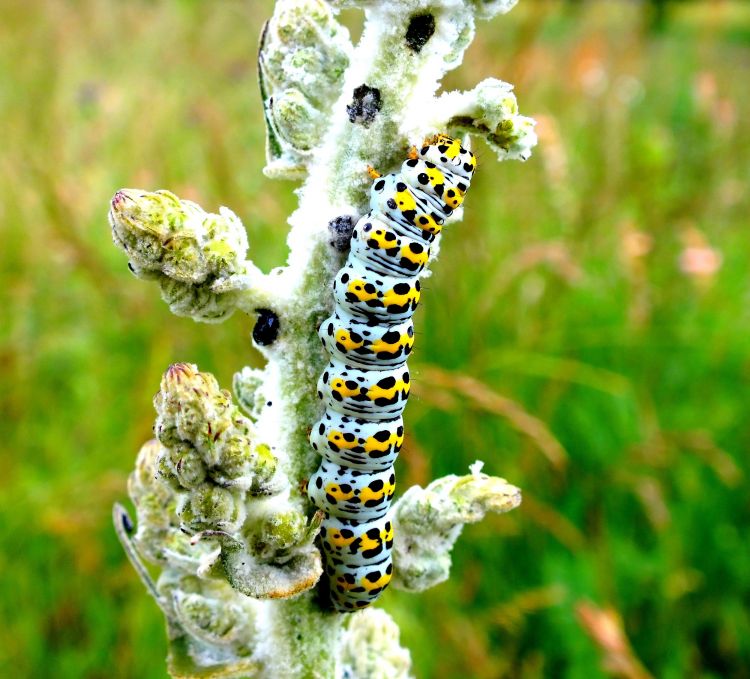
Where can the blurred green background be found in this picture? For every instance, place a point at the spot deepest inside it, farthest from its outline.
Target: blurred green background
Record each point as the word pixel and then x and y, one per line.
pixel 608 323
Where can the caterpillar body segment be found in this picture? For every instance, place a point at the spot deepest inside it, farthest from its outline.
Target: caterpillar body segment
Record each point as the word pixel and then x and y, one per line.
pixel 369 445
pixel 392 197
pixel 372 394
pixel 354 494
pixel 363 292
pixel 386 250
pixel 364 343
pixel 443 188
pixel 357 542
pixel 354 586
pixel 448 154
pixel 366 384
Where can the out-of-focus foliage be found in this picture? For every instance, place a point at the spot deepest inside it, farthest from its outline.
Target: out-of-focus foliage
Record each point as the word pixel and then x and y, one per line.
pixel 599 292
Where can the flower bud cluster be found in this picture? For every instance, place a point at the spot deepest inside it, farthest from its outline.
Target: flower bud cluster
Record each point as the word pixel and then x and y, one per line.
pixel 210 498
pixel 490 110
pixel 303 56
pixel 208 455
pixel 371 648
pixel 198 258
pixel 429 520
pixel 210 611
pixel 158 537
pixel 210 623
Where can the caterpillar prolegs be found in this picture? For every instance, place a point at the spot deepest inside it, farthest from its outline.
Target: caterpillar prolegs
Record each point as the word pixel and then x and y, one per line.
pixel 366 383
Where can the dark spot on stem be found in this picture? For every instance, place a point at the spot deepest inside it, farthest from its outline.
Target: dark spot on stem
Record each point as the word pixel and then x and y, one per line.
pixel 365 106
pixel 266 328
pixel 420 30
pixel 341 229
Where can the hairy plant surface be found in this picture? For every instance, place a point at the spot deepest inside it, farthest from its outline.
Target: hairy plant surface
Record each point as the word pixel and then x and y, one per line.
pixel 218 491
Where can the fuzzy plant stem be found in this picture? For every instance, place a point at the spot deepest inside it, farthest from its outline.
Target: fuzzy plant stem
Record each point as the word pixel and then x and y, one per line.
pixel 337 184
pixel 219 493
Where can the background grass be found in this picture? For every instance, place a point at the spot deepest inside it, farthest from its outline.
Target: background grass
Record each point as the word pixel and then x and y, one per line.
pixel 599 293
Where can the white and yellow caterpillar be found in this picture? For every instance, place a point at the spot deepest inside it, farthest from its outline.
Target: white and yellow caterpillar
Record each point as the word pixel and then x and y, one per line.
pixel 366 383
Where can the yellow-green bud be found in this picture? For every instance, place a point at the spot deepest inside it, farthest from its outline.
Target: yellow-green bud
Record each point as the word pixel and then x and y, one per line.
pixel 188 250
pixel 490 110
pixel 195 414
pixel 296 120
pixel 191 406
pixel 303 56
pixel 241 464
pixel 428 521
pixel 181 466
pixel 272 537
pixel 204 302
pixel 160 232
pixel 210 507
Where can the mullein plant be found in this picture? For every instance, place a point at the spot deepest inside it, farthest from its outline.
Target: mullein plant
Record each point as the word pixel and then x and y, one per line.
pixel 221 508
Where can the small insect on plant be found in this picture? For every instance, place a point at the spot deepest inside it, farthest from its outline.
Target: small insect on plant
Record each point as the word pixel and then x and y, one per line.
pixel 365 385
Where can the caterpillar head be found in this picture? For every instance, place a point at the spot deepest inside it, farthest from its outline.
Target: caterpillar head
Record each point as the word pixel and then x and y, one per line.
pixel 448 153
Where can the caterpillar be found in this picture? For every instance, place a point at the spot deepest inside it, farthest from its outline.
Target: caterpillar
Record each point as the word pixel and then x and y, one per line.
pixel 365 385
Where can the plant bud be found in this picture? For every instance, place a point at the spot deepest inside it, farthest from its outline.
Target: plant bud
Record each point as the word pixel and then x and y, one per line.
pixel 191 252
pixel 304 53
pixel 210 507
pixel 491 110
pixel 429 520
